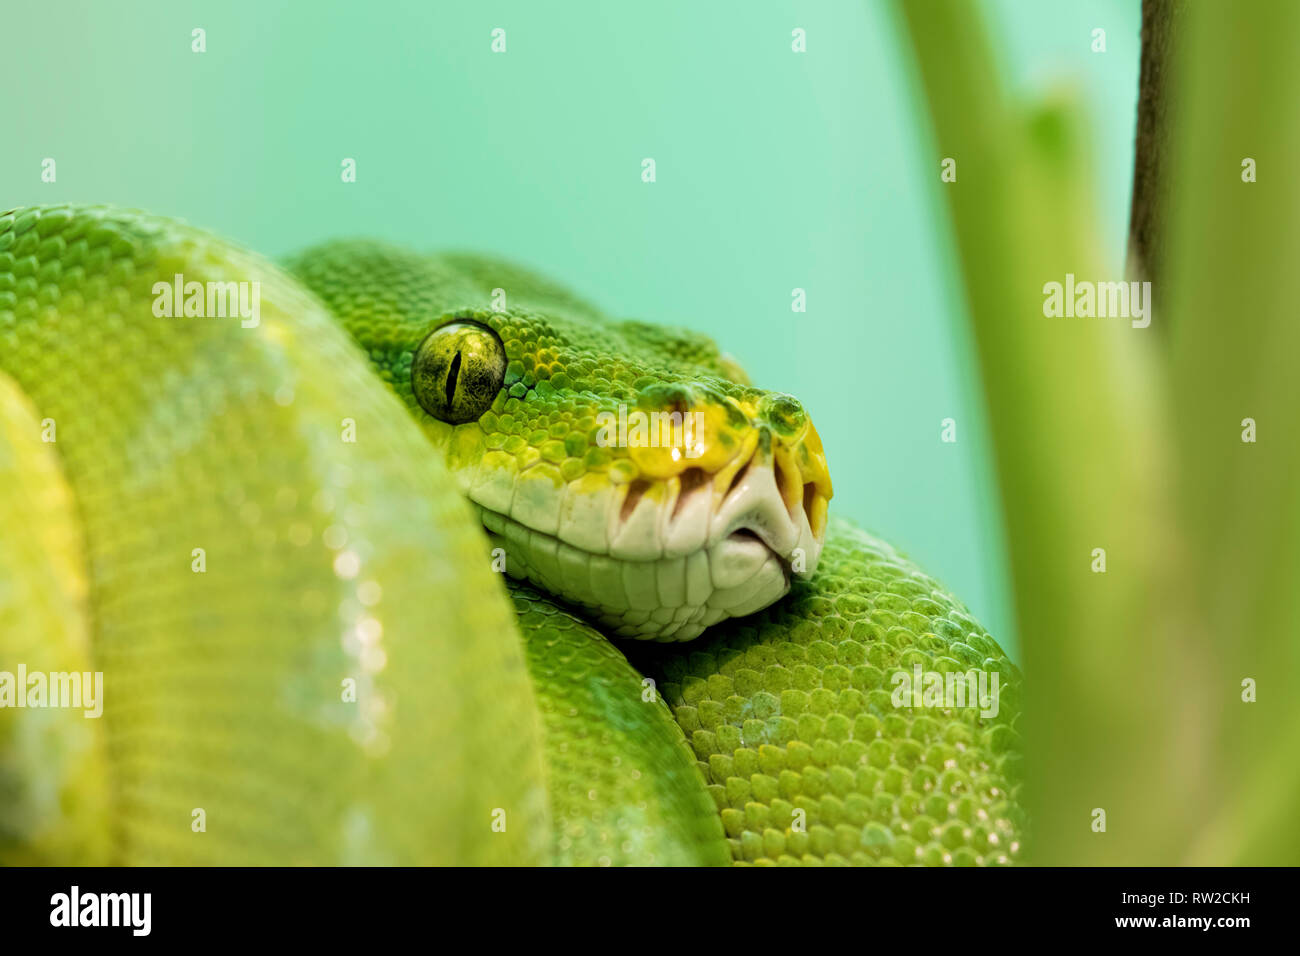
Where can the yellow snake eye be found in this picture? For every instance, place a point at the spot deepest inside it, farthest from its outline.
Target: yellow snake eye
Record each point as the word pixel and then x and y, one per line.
pixel 457 371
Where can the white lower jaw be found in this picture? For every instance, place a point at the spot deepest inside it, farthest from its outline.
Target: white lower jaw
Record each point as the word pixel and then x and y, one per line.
pixel 669 599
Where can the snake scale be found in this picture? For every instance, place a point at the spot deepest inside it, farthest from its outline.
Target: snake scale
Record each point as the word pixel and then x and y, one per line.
pixel 368 581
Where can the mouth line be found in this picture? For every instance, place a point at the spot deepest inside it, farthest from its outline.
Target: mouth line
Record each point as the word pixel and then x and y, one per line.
pixel 738 534
pixel 663 599
pixel 748 534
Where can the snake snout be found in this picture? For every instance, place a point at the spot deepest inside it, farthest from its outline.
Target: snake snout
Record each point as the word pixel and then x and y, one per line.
pixel 700 506
pixel 768 500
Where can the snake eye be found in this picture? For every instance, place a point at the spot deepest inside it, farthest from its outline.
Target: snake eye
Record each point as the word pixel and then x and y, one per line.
pixel 457 371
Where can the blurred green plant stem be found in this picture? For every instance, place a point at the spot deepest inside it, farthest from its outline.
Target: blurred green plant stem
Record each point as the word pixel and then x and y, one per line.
pixel 1118 438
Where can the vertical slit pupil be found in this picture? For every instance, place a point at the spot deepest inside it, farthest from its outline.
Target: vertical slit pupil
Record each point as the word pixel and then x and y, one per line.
pixel 452 374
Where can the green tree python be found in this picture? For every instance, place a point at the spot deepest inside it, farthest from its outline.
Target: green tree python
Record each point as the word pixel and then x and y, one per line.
pixel 370 579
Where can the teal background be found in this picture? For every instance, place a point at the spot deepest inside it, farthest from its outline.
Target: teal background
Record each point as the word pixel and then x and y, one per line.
pixel 775 170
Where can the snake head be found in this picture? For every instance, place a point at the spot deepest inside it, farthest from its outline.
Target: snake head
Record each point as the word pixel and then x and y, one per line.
pixel 628 468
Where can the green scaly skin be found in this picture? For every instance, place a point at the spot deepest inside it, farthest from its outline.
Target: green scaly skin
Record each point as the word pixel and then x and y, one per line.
pixel 624 787
pixel 223 694
pixel 790 710
pixel 326 561
pixel 43 623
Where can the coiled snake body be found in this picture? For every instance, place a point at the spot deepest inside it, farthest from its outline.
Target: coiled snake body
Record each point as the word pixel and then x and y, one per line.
pixel 291 585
